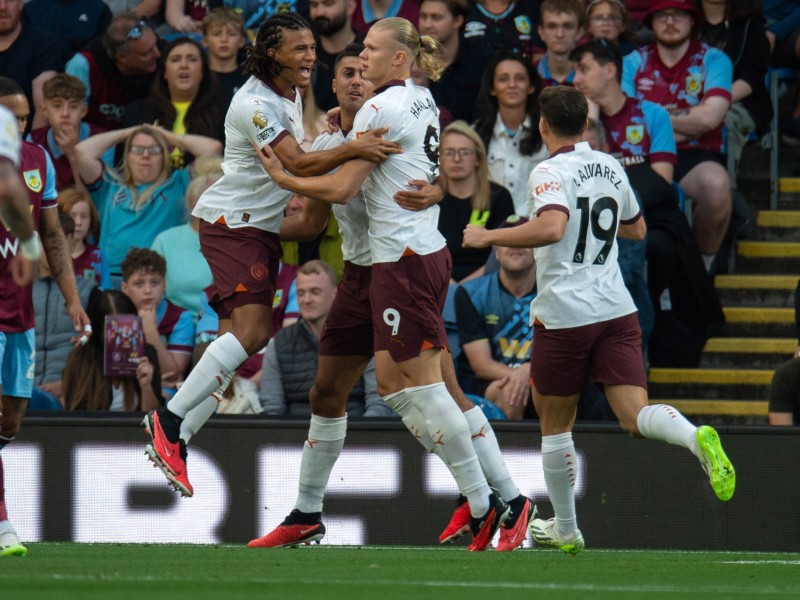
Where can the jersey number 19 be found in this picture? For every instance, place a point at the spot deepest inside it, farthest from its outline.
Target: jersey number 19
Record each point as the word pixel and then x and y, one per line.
pixel 604 231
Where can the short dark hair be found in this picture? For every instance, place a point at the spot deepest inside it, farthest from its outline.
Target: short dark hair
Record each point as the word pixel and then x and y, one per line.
pixel 603 51
pixel 9 87
pixel 565 110
pixel 143 259
pixel 352 50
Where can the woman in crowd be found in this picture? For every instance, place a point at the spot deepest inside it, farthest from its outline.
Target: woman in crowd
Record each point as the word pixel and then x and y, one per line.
pixel 86 387
pixel 188 273
pixel 508 105
pixel 147 196
pixel 471 198
pixel 608 19
pixel 184 98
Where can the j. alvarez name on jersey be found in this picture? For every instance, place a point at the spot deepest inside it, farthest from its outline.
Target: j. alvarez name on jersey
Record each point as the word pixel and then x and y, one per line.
pixel 597 170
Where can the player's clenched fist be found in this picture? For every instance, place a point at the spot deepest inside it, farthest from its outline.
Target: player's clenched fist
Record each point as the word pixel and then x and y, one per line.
pixel 475 237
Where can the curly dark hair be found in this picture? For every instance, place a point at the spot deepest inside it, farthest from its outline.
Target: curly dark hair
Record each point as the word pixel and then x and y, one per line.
pixel 487 106
pixel 203 116
pixel 270 35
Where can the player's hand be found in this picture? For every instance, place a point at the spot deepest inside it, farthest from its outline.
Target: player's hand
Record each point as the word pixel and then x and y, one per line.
pixel 144 372
pixel 271 163
pixel 22 270
pixel 421 196
pixel 475 237
pixel 80 322
pixel 372 147
pixel 332 119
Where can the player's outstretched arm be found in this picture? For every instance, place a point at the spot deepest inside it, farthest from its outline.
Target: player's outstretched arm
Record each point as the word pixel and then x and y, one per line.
pixel 548 228
pixel 633 231
pixel 307 225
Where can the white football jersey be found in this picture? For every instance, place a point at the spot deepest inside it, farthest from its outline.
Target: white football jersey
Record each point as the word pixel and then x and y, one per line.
pixel 9 135
pixel 578 278
pixel 411 115
pixel 352 217
pixel 245 196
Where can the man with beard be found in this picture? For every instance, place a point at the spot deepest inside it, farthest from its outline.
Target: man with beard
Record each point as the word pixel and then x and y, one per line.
pixel 331 22
pixel 693 82
pixel 27 55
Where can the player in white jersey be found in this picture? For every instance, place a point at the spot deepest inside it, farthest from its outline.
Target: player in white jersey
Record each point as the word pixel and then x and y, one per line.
pixel 584 319
pixel 347 345
pixel 411 264
pixel 240 219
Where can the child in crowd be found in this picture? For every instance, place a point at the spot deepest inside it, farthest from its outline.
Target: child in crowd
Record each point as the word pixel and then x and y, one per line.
pixel 169 328
pixel 64 106
pixel 224 37
pixel 87 259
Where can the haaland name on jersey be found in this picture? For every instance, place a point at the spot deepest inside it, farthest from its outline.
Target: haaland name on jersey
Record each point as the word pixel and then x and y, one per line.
pixel 420 105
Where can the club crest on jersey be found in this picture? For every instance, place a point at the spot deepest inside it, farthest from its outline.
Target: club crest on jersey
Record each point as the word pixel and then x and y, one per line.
pixel 276 301
pixel 634 133
pixel 260 119
pixel 33 180
pixel 523 24
pixel 694 84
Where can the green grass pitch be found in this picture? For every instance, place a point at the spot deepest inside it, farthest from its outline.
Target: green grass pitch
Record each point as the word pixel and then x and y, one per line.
pixel 64 571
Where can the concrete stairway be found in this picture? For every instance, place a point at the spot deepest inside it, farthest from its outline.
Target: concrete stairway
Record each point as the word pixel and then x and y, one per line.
pixel 732 383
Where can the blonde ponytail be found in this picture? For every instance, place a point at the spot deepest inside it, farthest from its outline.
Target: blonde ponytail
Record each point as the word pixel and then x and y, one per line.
pixel 428 53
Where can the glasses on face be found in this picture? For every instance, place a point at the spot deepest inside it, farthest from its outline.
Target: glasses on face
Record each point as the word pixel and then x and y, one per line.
pixel 603 19
pixel 460 152
pixel 137 31
pixel 678 16
pixel 153 150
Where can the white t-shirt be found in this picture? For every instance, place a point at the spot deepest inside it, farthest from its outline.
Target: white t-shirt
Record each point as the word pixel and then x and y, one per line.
pixel 413 121
pixel 245 195
pixel 578 278
pixel 352 217
pixel 9 135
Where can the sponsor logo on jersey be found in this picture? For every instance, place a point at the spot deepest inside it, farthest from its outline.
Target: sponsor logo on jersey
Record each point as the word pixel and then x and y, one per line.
pixel 547 186
pixel 474 29
pixel 262 136
pixel 645 84
pixel 260 119
pixel 33 180
pixel 523 24
pixel 694 84
pixel 634 133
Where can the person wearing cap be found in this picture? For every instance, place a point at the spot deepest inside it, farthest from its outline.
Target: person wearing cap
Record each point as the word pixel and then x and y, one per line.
pixel 693 81
pixel 493 329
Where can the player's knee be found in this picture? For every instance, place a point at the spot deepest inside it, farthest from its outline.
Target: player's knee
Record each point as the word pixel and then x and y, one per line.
pixel 327 402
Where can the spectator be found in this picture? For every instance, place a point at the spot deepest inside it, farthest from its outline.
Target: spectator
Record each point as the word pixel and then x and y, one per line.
pixel 508 124
pixel 28 55
pixel 783 35
pixel 737 28
pixel 608 19
pixel 167 327
pixel 457 88
pixel 74 22
pixel 184 98
pixel 87 259
pixel 504 26
pixel 224 38
pixel 492 313
pixel 116 69
pixel 147 197
pixel 84 385
pixel 471 198
pixel 560 31
pixel 784 392
pixel 693 82
pixel 63 108
pixel 369 11
pixel 188 273
pixel 54 329
pixel 332 24
pixel 290 361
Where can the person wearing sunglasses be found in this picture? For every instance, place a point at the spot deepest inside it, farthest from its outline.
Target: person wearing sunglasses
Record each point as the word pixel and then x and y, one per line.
pixel 117 69
pixel 145 196
pixel 693 81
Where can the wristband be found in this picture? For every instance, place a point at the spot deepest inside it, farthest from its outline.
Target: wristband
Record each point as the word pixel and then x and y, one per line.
pixel 30 248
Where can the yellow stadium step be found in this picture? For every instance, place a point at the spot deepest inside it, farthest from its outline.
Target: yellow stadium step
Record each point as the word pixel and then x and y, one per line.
pixel 757 408
pixel 775 291
pixel 710 384
pixel 752 353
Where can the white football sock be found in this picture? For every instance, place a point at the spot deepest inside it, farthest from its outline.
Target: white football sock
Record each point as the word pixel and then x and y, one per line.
pixel 560 465
pixel 411 417
pixel 222 357
pixel 449 430
pixel 486 447
pixel 665 423
pixel 197 417
pixel 322 448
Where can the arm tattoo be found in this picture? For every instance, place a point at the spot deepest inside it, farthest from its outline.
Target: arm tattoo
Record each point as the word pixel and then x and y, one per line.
pixel 55 247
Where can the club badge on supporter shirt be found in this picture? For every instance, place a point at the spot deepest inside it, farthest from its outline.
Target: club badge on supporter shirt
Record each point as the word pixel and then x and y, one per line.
pixel 33 180
pixel 523 24
pixel 634 133
pixel 694 84
pixel 276 301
